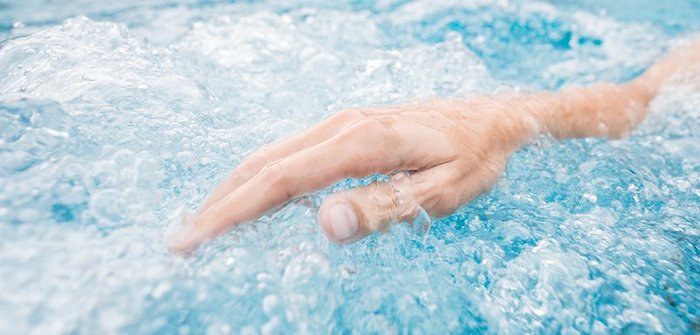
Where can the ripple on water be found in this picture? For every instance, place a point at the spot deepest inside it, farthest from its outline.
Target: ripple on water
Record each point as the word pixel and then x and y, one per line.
pixel 109 130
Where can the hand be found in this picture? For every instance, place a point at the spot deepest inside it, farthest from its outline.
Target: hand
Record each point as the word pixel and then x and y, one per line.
pixel 451 152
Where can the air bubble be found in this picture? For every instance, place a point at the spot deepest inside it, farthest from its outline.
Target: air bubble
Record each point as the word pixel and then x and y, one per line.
pixel 108 132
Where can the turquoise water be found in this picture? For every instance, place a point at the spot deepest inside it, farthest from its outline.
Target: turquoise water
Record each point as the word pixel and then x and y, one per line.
pixel 115 117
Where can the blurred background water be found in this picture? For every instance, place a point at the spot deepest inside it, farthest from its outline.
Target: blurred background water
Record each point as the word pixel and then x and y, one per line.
pixel 116 116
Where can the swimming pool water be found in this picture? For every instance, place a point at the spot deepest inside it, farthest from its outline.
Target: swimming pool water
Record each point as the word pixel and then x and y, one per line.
pixel 115 117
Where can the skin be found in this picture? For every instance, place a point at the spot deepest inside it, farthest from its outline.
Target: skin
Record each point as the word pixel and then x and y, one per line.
pixel 441 153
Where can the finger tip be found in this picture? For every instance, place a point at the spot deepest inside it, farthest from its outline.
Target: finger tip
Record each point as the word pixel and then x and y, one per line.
pixel 182 241
pixel 186 217
pixel 339 221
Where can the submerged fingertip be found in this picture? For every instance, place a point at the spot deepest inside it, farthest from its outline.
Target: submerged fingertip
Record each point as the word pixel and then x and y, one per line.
pixel 182 241
pixel 186 217
pixel 343 220
pixel 339 221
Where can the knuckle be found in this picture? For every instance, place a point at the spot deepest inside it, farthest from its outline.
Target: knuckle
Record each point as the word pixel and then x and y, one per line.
pixel 371 142
pixel 349 115
pixel 274 175
pixel 368 126
pixel 449 201
pixel 442 196
pixel 445 197
pixel 361 130
pixel 257 160
pixel 375 130
pixel 250 166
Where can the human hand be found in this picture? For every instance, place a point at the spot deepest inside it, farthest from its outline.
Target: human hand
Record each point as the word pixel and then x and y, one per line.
pixel 449 150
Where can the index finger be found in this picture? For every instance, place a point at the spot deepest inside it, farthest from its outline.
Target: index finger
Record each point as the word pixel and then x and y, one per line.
pixel 365 147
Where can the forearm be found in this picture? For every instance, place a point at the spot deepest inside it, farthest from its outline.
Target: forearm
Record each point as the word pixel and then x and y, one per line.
pixel 604 109
pixel 600 110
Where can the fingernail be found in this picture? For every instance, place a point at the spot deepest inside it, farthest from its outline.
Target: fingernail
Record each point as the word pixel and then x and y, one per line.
pixel 344 221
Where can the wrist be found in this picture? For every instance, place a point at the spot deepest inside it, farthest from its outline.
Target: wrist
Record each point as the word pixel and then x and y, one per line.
pixel 531 115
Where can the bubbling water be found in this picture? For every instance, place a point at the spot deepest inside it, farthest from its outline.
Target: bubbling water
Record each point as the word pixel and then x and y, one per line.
pixel 109 130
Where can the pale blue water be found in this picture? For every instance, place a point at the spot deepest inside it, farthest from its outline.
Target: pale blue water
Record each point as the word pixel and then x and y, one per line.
pixel 114 117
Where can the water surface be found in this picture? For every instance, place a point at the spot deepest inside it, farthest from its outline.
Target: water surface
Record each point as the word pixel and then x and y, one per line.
pixel 115 117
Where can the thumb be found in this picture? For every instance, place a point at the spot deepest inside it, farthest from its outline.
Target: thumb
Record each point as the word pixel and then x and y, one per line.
pixel 350 215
